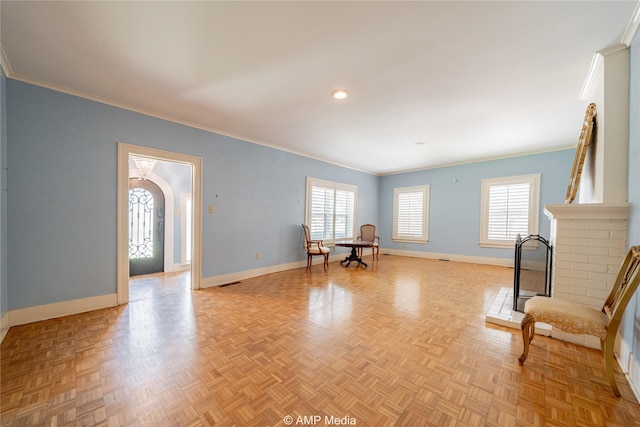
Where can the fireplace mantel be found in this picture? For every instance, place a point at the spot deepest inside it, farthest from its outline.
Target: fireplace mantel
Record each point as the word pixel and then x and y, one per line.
pixel 583 211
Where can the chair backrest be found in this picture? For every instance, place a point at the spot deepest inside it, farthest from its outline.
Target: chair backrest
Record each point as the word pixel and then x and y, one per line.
pixel 307 235
pixel 624 287
pixel 368 232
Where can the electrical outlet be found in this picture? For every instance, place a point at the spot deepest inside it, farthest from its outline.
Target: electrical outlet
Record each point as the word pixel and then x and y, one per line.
pixel 257 255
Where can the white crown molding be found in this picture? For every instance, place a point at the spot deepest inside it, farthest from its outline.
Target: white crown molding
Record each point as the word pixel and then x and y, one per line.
pixel 632 27
pixel 480 160
pixel 4 63
pixel 105 101
pixel 79 94
pixel 625 42
pixel 589 81
pixel 595 69
pixel 609 50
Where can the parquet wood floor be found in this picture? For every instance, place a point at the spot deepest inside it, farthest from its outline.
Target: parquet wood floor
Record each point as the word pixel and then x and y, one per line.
pixel 403 342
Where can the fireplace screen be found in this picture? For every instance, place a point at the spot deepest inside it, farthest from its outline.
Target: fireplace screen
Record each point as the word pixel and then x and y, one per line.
pixel 532 269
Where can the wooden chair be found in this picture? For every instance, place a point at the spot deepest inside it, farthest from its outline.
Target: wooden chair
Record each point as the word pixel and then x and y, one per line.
pixel 314 247
pixel 579 319
pixel 368 234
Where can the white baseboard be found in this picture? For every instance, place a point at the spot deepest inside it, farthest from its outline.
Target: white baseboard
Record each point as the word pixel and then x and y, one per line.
pixel 629 365
pixel 181 267
pixel 248 274
pixel 504 262
pixel 224 279
pixel 583 340
pixel 22 316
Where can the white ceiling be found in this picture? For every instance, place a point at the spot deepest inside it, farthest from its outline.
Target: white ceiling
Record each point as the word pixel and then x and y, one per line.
pixel 471 80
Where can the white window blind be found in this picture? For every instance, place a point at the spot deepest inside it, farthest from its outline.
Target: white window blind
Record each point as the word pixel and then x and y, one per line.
pixel 508 211
pixel 410 213
pixel 509 208
pixel 331 210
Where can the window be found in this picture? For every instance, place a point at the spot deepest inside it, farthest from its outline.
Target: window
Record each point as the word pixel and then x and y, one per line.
pixel 140 223
pixel 509 208
pixel 411 214
pixel 331 210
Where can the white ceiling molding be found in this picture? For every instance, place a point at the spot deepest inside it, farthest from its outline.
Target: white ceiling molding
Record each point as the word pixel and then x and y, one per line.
pixel 462 97
pixel 594 69
pixel 592 74
pixel 625 42
pixel 4 63
pixel 613 49
pixel 46 85
pixel 632 28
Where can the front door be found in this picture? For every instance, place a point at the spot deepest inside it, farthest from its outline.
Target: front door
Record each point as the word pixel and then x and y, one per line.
pixel 146 227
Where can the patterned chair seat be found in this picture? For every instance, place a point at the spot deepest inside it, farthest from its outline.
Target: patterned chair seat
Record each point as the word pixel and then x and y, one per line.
pixel 568 316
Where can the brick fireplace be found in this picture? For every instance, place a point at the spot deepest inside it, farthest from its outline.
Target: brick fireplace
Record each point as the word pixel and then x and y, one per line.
pixel 589 243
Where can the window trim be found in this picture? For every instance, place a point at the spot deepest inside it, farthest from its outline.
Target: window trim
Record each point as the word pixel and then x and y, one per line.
pixel 534 207
pixel 424 238
pixel 316 182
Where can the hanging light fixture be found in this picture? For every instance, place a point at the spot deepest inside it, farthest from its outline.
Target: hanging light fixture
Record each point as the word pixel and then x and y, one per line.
pixel 144 164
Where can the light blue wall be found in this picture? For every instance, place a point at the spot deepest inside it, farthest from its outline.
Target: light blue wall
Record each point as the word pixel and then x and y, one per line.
pixel 454 226
pixel 630 329
pixel 62 202
pixel 4 304
pixel 261 204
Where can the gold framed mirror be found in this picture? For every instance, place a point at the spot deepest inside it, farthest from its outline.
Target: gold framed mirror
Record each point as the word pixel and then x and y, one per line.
pixel 581 152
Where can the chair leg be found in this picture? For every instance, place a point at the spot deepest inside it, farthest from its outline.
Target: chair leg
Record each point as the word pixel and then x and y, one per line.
pixel 326 262
pixel 607 350
pixel 528 326
pixel 308 261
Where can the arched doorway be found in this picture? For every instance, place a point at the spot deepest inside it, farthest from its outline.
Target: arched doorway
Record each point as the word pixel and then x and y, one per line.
pixel 146 227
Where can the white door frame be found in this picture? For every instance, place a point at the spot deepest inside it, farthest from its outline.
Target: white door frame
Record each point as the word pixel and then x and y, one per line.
pixel 122 240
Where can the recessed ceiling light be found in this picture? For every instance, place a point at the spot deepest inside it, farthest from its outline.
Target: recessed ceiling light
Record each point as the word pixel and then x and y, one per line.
pixel 340 94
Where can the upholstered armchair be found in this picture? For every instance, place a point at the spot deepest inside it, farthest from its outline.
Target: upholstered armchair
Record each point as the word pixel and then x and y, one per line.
pixel 315 247
pixel 368 234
